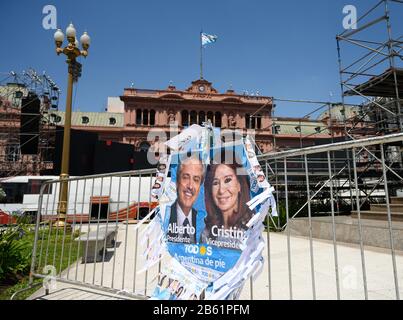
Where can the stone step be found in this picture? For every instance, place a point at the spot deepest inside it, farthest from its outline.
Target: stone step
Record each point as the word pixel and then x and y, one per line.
pixel 394 207
pixel 377 215
pixel 375 232
pixel 396 200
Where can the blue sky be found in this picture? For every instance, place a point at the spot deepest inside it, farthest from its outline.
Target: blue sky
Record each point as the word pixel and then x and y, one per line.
pixel 285 49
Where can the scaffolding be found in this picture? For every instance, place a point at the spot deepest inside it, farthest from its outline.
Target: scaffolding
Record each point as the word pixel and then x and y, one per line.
pixel 371 81
pixel 371 69
pixel 17 91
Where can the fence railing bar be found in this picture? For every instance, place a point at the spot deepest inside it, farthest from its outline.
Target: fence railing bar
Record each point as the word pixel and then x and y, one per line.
pixel 72 230
pixel 308 192
pixel 37 227
pixel 88 229
pixel 57 222
pixel 106 175
pixel 50 228
pixel 118 293
pixel 65 226
pixel 277 194
pixel 136 236
pixel 106 232
pixel 332 147
pixel 80 228
pixel 40 216
pixel 268 244
pixel 336 262
pixel 98 218
pixel 148 241
pixel 117 226
pixel 357 195
pixel 126 232
pixel 392 247
pixel 288 229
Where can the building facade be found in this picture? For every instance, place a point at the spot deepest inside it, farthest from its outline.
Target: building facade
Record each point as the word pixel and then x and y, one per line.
pixel 149 117
pixel 148 111
pixel 146 118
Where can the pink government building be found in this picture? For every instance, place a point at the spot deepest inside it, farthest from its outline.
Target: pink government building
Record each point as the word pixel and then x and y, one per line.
pixel 141 111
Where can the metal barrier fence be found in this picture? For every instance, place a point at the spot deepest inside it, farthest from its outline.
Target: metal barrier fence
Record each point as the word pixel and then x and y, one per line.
pixel 322 203
pixel 97 247
pixel 100 249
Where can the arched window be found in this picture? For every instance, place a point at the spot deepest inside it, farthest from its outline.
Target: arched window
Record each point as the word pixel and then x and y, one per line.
pixel 185 118
pixel 202 117
pixel 144 146
pixel 138 116
pixel 250 121
pixel 218 119
pixel 145 117
pixel 18 94
pixel 85 120
pixel 193 117
pixel 56 118
pixel 152 117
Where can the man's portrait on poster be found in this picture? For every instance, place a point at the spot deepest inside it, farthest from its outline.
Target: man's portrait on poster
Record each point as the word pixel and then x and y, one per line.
pixel 182 222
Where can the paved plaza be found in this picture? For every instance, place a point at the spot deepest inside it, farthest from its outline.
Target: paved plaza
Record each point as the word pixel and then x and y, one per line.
pixel 117 272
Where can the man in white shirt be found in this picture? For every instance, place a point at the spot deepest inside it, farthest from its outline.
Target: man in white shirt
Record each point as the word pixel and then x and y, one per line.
pixel 182 222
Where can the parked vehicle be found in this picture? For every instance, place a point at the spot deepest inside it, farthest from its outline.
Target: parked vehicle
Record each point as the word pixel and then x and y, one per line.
pixel 113 198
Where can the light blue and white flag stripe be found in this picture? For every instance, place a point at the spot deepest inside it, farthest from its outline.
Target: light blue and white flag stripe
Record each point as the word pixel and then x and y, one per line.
pixel 208 38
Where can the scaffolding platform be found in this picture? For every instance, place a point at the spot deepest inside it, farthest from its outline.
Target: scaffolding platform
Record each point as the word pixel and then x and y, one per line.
pixel 382 85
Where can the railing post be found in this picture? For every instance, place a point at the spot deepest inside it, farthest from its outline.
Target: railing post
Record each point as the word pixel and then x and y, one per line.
pixel 357 196
pixel 288 229
pixel 308 194
pixel 336 262
pixel 392 247
pixel 38 221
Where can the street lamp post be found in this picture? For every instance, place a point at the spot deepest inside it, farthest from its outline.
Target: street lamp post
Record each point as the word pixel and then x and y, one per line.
pixel 71 51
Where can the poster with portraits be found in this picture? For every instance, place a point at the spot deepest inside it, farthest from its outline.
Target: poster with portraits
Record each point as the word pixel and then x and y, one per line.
pixel 213 198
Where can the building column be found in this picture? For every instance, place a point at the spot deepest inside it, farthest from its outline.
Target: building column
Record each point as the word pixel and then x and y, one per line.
pixel 240 121
pixel 132 116
pixel 126 116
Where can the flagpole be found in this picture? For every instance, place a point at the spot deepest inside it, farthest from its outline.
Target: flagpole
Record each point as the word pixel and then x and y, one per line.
pixel 201 55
